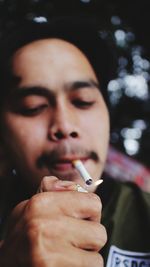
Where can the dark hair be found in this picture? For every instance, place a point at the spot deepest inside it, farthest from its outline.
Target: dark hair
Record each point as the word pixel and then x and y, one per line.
pixel 83 33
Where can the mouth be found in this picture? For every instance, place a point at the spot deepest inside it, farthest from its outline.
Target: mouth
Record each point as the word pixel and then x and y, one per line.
pixel 65 164
pixel 60 164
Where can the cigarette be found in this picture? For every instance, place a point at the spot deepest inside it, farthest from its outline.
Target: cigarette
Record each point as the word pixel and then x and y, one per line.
pixel 83 172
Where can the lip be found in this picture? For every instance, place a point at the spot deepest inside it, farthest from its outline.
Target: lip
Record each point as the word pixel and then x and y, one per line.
pixel 65 164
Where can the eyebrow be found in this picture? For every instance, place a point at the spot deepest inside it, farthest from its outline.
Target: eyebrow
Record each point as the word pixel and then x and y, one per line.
pixel 84 84
pixel 24 91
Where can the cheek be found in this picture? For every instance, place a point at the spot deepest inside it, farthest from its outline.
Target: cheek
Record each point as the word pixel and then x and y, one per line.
pixel 96 132
pixel 23 135
pixel 97 125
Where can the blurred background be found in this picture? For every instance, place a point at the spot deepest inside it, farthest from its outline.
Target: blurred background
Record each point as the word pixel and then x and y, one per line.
pixel 127 26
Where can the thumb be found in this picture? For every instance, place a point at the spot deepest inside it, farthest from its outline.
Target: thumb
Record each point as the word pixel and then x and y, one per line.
pixel 52 183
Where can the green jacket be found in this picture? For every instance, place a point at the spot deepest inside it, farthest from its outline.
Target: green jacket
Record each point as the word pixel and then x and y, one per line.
pixel 126 216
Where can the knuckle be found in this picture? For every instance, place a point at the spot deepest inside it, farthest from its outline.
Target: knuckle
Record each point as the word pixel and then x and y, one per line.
pixel 38 203
pixel 34 204
pixel 103 235
pixel 100 261
pixel 100 236
pixel 97 261
pixel 97 205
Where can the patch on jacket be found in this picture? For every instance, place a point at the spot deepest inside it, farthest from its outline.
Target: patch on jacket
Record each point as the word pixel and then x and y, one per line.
pixel 124 258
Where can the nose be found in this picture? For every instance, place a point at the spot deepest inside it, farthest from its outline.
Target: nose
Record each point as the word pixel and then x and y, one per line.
pixel 63 124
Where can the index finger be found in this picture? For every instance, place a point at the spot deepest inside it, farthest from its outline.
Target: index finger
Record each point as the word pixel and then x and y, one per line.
pixel 70 203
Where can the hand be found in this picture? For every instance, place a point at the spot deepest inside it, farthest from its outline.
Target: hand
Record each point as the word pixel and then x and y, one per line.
pixel 55 229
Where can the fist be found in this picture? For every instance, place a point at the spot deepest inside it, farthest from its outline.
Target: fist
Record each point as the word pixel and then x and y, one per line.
pixel 57 227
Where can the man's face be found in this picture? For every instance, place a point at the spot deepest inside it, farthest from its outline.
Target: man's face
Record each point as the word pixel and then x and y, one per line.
pixel 55 114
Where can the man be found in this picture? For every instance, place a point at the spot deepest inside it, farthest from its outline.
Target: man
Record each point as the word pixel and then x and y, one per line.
pixel 52 113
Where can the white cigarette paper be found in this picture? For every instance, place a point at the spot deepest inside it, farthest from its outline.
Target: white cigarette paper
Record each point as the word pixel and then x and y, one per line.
pixel 83 172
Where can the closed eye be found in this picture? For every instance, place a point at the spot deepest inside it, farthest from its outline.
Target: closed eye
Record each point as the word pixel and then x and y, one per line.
pixel 83 104
pixel 33 111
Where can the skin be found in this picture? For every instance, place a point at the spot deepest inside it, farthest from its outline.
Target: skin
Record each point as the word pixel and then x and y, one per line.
pixel 67 120
pixel 64 119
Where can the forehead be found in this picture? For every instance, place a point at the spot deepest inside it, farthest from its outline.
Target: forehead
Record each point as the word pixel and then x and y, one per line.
pixel 51 60
pixel 53 50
